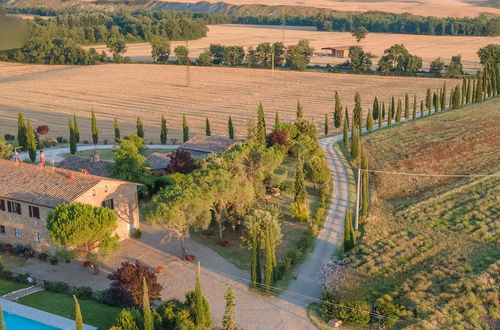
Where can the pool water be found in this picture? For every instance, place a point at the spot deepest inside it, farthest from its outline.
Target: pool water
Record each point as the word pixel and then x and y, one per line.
pixel 16 322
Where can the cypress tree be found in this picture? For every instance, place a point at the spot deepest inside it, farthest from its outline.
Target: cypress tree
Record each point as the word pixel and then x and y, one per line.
pixel 407 106
pixel 185 128
pixel 428 100
pixel 452 94
pixel 276 119
pixel 255 275
pixel 21 131
pixel 456 98
pixel 261 125
pixel 474 84
pixel 435 98
pixel 398 112
pixel 392 110
pixel 116 125
pixel 31 141
pixel 140 129
pixel 375 110
pixel 2 319
pixel 78 315
pixel 389 118
pixel 228 320
pixel 76 129
pixel 300 110
pixel 347 116
pixel 93 128
pixel 379 122
pixel 356 143
pixel 349 239
pixel 337 114
pixel 268 265
pixel 364 186
pixel 421 109
pixel 383 110
pixel 300 192
pixel 208 132
pixel 203 318
pixel 230 128
pixel 369 121
pixel 414 114
pixel 346 133
pixel 326 125
pixel 443 97
pixel 258 267
pixel 479 89
pixel 146 307
pixel 163 130
pixel 464 92
pixel 72 138
pixel 357 112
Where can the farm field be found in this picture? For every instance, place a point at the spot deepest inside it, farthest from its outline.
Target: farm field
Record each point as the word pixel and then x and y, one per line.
pixel 50 94
pixel 427 47
pixel 431 245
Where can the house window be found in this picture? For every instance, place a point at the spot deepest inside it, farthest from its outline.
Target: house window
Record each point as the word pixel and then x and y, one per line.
pixel 2 229
pixel 36 237
pixel 34 212
pixel 14 207
pixel 109 203
pixel 18 233
pixel 2 204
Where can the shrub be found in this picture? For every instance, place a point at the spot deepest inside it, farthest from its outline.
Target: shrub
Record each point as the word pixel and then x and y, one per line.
pixel 126 285
pixel 21 278
pixel 19 250
pixel 64 140
pixel 137 233
pixel 54 260
pixel 66 255
pixel 58 287
pixel 43 256
pixel 103 297
pixel 29 253
pixel 299 211
pixel 59 139
pixel 85 142
pixel 83 292
pixel 1 264
pixel 350 311
pixel 279 137
pixel 181 162
pixel 294 255
pixel 105 141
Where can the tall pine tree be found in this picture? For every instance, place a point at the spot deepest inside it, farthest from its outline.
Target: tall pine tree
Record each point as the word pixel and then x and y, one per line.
pixel 364 186
pixel 21 131
pixel 326 125
pixel 76 129
pixel 349 238
pixel 261 125
pixel 230 128
pixel 392 110
pixel 300 110
pixel 337 114
pixel 375 110
pixel 407 106
pixel 94 129
pixel 355 143
pixel 72 137
pixel 357 112
pixel 208 131
pixel 443 97
pixel 140 129
pixel 228 320
pixel 398 112
pixel 369 121
pixel 346 132
pixel 414 114
pixel 276 119
pixel 163 130
pixel 379 121
pixel 203 317
pixel 428 100
pixel 116 126
pixel 185 128
pixel 31 143
pixel 78 315
pixel 146 307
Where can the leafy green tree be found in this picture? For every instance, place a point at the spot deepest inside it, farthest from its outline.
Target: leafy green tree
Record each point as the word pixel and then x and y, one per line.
pixel 126 321
pixel 359 33
pixel 298 56
pixel 116 45
pixel 398 60
pixel 204 59
pixel 375 109
pixel 263 54
pixel 202 315
pixel 72 138
pixel 146 307
pixel 437 67
pixel 180 207
pixel 369 121
pixel 129 164
pixel 31 143
pixel 326 125
pixel 182 54
pixel 398 112
pixel 21 131
pixel 349 238
pixel 230 128
pixel 300 193
pixel 279 53
pixel 316 169
pixel 228 320
pixel 261 125
pixel 346 132
pixel 414 114
pixel 93 128
pixel 337 114
pixel 140 129
pixel 76 129
pixel 160 49
pixel 234 55
pixel 83 227
pixel 359 61
pixel 6 149
pixel 455 68
pixel 116 125
pixel 163 130
pixel 185 129
pixel 78 315
pixel 208 131
pixel 489 55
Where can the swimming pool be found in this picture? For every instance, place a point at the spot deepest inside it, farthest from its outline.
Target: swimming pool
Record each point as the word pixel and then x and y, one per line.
pixel 16 322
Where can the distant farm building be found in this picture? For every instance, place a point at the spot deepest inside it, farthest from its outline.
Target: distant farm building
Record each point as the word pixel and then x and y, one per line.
pixel 201 145
pixel 338 51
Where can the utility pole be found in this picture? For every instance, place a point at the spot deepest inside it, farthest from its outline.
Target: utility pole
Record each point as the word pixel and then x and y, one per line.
pixel 188 62
pixel 357 200
pixel 272 61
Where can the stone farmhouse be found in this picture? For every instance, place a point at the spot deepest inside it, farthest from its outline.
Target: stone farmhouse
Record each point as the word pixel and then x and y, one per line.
pixel 28 192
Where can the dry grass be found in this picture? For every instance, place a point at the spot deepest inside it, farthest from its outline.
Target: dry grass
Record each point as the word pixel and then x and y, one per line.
pixel 427 47
pixel 50 94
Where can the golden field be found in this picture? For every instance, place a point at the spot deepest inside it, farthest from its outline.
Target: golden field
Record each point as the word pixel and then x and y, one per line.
pixel 427 47
pixel 50 94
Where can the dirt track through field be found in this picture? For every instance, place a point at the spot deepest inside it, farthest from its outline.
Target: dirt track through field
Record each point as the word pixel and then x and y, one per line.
pixel 50 94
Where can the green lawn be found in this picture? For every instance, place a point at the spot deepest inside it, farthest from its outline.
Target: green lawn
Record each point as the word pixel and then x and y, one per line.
pixel 10 261
pixel 107 154
pixel 94 313
pixel 9 286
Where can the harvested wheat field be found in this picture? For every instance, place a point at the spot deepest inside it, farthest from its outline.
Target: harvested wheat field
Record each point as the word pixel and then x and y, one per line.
pixel 427 47
pixel 50 94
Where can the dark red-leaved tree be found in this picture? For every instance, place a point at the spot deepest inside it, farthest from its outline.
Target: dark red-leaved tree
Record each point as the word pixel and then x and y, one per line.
pixel 279 137
pixel 126 287
pixel 181 162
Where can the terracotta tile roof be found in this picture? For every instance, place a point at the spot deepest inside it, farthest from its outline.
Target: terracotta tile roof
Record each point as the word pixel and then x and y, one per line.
pixel 208 144
pixel 75 163
pixel 42 186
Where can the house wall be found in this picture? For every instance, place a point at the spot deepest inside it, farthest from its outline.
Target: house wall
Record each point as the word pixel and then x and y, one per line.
pixel 29 227
pixel 125 203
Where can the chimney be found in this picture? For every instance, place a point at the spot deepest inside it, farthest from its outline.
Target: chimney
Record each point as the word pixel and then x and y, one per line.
pixel 71 175
pixel 18 160
pixel 84 171
pixel 42 158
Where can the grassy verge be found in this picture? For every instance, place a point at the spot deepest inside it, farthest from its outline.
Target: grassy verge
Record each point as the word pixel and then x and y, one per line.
pixel 11 261
pixel 94 313
pixel 9 286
